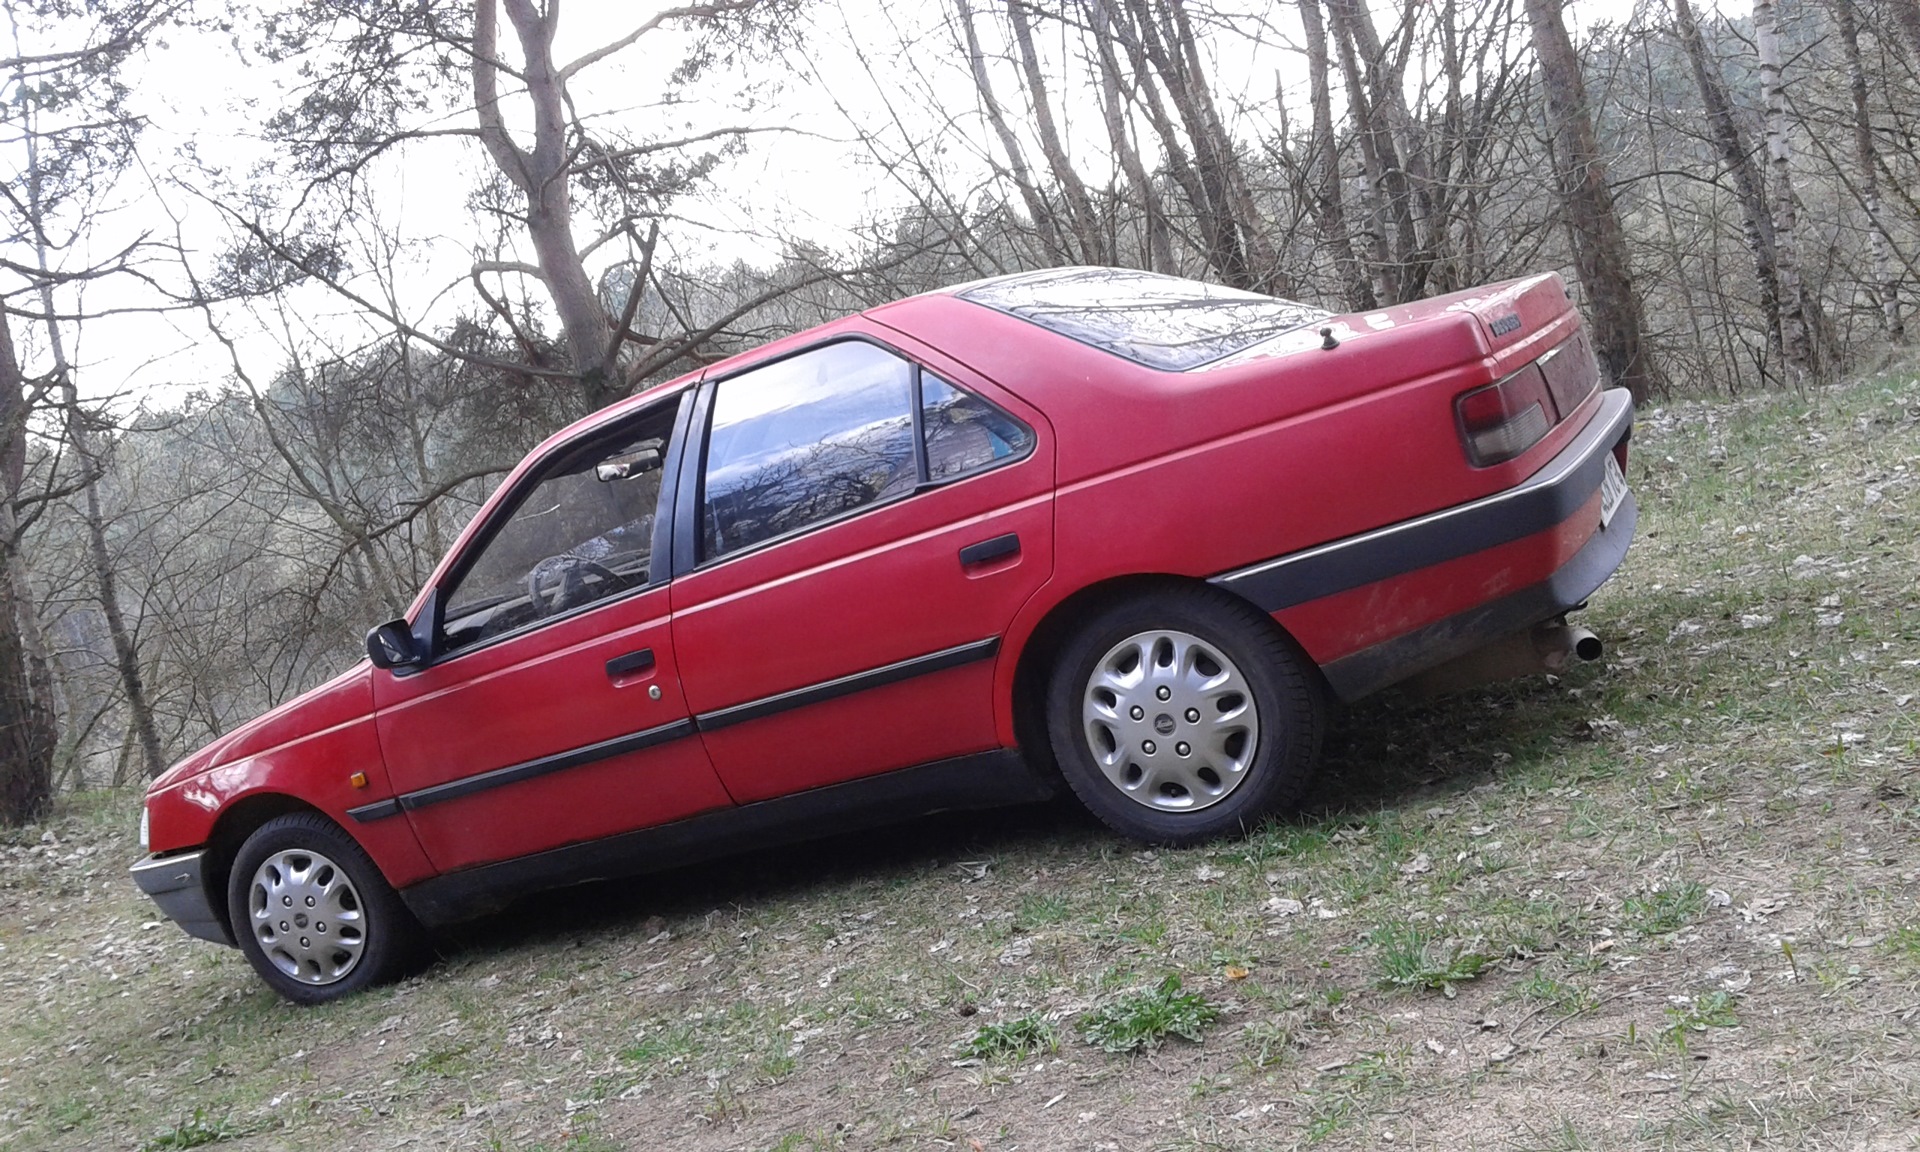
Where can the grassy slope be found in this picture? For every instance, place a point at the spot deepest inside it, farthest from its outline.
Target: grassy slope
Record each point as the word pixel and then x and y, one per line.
pixel 1670 901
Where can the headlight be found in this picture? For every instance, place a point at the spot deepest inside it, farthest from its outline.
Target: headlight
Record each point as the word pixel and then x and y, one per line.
pixel 144 840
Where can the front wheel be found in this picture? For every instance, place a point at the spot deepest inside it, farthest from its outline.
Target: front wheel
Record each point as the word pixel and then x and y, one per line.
pixel 1182 715
pixel 313 914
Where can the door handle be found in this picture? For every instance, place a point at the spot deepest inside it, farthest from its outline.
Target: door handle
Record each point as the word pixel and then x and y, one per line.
pixel 987 551
pixel 630 663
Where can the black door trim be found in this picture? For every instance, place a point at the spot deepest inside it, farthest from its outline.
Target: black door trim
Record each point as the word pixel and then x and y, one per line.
pixel 984 780
pixel 679 729
pixel 847 685
pixel 515 773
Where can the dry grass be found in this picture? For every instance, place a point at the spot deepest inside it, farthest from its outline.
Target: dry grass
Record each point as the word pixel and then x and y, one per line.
pixel 1689 874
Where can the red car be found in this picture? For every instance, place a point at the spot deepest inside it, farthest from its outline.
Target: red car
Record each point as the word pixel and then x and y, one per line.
pixel 1092 527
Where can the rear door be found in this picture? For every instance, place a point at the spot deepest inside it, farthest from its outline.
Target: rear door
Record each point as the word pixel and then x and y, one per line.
pixel 857 533
pixel 551 712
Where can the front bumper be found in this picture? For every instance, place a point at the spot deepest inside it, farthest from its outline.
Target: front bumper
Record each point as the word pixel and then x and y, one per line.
pixel 178 885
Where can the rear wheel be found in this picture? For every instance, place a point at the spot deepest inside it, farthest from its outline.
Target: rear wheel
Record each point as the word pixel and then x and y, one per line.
pixel 1182 715
pixel 313 914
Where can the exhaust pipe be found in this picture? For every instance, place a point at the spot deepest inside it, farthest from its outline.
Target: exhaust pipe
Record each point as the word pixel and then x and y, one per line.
pixel 1559 643
pixel 1549 647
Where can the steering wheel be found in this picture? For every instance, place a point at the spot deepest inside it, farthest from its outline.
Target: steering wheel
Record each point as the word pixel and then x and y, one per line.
pixel 560 582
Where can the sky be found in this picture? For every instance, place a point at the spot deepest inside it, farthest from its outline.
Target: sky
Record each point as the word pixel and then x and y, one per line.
pixel 205 95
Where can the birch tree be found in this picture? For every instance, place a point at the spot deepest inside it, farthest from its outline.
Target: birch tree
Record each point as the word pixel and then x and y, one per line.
pixel 1795 323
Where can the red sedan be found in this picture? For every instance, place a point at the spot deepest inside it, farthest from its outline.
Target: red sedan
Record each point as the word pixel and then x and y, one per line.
pixel 1092 527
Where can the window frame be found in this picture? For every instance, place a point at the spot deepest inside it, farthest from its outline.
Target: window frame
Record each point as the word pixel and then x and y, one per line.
pixel 659 568
pixel 690 506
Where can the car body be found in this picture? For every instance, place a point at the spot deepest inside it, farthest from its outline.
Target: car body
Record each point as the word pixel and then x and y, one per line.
pixel 947 553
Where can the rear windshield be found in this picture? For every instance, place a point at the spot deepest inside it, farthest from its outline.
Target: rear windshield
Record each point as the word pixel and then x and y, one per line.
pixel 1162 322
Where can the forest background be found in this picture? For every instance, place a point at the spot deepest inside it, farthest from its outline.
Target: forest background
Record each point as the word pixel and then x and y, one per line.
pixel 285 288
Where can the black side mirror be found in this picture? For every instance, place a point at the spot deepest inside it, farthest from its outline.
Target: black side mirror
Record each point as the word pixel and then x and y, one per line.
pixel 391 645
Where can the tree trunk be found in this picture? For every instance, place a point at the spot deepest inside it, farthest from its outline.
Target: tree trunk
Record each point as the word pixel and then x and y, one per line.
pixel 1406 177
pixel 27 726
pixel 1324 162
pixel 1198 173
pixel 1080 214
pixel 1599 243
pixel 1737 155
pixel 1152 209
pixel 1395 241
pixel 1886 278
pixel 1051 241
pixel 1795 324
pixel 542 177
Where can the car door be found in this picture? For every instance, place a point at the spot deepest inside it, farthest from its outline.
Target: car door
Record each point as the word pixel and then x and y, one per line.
pixel 549 711
pixel 857 534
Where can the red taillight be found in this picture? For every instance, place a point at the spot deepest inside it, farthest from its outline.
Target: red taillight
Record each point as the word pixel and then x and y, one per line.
pixel 1503 420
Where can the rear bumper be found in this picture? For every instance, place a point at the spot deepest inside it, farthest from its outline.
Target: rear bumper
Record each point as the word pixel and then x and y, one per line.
pixel 1384 664
pixel 1376 608
pixel 178 885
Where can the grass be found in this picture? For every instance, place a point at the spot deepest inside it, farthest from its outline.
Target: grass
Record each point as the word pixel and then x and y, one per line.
pixel 1713 1010
pixel 1410 957
pixel 1580 833
pixel 1664 910
pixel 196 1131
pixel 1013 1039
pixel 1142 1020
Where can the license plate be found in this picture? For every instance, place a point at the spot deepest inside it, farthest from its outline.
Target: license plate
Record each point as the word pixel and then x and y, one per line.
pixel 1613 490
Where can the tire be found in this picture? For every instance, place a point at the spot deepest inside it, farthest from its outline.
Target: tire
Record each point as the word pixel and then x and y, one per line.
pixel 1182 715
pixel 341 927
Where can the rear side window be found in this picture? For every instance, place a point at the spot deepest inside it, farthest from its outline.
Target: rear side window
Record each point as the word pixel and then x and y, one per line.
pixel 806 439
pixel 965 433
pixel 1163 322
pixel 833 430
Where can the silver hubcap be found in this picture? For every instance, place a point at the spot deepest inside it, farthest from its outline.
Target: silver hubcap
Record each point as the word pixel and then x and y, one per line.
pixel 307 916
pixel 1170 720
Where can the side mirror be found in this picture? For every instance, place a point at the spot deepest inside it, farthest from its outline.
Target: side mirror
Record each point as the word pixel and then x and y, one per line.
pixel 391 645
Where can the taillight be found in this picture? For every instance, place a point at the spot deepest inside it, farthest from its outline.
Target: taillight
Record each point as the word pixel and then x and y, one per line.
pixel 1503 420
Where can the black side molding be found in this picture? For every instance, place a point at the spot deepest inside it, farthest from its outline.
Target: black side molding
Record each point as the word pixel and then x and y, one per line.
pixel 848 685
pixel 990 550
pixel 514 773
pixel 367 813
pixel 678 729
pixel 985 780
pixel 1551 495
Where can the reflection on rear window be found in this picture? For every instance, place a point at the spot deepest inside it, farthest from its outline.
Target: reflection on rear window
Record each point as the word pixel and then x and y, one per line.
pixel 1160 321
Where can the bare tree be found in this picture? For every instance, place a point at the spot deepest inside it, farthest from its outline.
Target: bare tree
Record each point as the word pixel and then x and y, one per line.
pixel 1599 245
pixel 1736 154
pixel 1886 279
pixel 1796 327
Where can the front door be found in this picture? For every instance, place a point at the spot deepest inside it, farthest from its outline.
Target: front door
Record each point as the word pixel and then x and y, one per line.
pixel 551 710
pixel 863 531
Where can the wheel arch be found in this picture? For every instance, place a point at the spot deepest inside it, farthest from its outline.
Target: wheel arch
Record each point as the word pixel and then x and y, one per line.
pixel 1043 643
pixel 236 822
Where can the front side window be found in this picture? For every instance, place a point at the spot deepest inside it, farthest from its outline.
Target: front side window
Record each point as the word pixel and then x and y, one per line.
pixel 832 430
pixel 582 533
